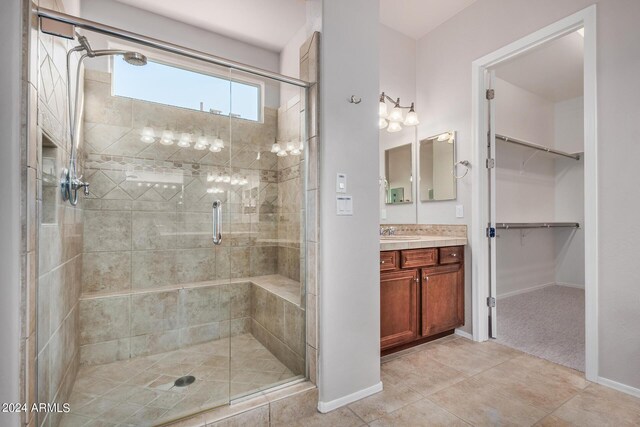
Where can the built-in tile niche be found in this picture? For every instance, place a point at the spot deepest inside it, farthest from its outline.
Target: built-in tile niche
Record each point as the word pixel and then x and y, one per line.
pixel 50 181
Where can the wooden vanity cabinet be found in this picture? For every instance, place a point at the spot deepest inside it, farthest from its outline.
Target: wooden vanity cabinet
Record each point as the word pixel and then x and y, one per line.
pixel 442 298
pixel 399 291
pixel 421 295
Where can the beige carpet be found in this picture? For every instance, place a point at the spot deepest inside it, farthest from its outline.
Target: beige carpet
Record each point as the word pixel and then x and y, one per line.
pixel 548 323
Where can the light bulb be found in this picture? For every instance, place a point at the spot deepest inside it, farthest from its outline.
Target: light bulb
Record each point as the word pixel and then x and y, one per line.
pixel 218 143
pixel 226 179
pixel 147 135
pixel 215 149
pixel 290 146
pixel 211 190
pixel 412 117
pixel 167 137
pixel 394 127
pixel 243 181
pixel 185 141
pixel 282 153
pixel 382 123
pixel 275 148
pixel 301 146
pixel 209 177
pixel 234 181
pixel 295 152
pixel 396 114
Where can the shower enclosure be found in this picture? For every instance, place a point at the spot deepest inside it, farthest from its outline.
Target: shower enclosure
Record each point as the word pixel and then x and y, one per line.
pixel 177 283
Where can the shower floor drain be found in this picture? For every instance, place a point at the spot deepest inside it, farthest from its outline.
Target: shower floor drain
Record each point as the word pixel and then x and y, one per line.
pixel 184 381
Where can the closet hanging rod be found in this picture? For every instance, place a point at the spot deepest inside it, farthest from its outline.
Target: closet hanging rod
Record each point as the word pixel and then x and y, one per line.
pixel 162 45
pixel 537 147
pixel 520 225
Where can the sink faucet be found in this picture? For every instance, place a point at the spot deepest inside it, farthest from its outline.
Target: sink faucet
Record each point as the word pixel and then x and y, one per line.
pixel 387 231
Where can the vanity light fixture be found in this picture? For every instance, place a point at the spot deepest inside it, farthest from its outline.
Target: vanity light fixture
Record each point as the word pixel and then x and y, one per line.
pixel 147 135
pixel 394 120
pixel 290 148
pixel 167 137
pixel 185 141
pixel 201 143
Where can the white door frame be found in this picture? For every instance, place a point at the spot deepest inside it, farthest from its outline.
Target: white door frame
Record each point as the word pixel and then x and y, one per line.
pixel 480 286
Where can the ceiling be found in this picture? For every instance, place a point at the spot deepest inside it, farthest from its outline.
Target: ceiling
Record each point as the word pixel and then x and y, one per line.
pixel 415 18
pixel 268 24
pixel 554 71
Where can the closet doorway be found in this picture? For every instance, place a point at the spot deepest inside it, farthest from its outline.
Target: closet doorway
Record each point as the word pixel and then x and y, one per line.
pixel 535 262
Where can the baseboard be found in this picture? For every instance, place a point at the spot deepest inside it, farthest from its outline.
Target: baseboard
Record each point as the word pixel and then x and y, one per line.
pixel 571 285
pixel 525 290
pixel 619 386
pixel 463 334
pixel 325 407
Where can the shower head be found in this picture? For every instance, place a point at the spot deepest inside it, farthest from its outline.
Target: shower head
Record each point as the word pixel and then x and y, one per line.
pixel 135 58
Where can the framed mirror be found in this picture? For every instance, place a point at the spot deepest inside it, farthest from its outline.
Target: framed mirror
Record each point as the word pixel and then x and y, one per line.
pixel 398 175
pixel 437 156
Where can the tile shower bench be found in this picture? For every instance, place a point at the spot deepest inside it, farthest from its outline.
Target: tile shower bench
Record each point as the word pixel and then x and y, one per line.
pixel 142 322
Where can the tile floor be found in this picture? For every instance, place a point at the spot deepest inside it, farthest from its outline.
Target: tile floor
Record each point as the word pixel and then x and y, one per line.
pixel 141 391
pixel 457 382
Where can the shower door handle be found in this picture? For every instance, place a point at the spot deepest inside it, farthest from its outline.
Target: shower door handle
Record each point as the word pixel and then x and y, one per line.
pixel 217 222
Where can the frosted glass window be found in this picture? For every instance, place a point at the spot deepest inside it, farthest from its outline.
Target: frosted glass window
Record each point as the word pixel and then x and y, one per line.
pixel 169 85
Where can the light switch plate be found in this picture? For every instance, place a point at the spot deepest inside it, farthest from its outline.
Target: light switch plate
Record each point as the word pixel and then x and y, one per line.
pixel 459 211
pixel 341 182
pixel 344 205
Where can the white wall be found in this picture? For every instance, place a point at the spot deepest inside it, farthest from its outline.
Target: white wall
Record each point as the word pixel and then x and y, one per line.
pixel 349 316
pixel 444 96
pixel 569 136
pixel 140 21
pixel 10 93
pixel 290 63
pixel 525 258
pixel 397 66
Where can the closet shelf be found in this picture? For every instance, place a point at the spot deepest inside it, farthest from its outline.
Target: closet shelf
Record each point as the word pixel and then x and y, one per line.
pixel 574 156
pixel 520 225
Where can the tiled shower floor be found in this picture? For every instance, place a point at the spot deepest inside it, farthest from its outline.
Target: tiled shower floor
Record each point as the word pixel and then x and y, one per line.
pixel 140 392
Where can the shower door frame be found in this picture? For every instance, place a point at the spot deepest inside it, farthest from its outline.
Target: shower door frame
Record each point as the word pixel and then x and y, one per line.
pixel 586 19
pixel 311 107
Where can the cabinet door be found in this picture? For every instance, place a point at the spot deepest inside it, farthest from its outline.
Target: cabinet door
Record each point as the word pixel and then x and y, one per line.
pixel 442 297
pixel 398 307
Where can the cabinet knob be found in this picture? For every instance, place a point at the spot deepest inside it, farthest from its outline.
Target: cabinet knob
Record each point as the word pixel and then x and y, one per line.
pixel 382 262
pixel 454 254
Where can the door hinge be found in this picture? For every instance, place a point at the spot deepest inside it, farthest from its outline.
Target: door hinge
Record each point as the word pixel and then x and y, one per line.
pixel 491 302
pixel 491 232
pixel 491 163
pixel 490 94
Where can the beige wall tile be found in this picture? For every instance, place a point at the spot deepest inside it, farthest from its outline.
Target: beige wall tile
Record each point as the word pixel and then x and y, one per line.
pixel 104 319
pixel 106 271
pixel 107 231
pixel 154 312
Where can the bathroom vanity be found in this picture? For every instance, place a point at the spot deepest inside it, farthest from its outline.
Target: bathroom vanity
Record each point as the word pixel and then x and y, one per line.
pixel 421 289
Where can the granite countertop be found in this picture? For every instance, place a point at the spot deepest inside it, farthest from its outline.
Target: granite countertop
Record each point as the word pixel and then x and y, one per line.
pixel 389 243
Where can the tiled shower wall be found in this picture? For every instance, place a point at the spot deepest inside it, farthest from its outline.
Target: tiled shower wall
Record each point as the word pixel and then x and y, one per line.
pixel 59 225
pixel 290 190
pixel 148 218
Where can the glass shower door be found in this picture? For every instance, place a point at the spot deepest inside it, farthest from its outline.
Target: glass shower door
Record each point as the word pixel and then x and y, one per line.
pixel 265 199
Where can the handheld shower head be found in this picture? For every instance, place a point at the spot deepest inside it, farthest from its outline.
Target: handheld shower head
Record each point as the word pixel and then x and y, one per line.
pixel 135 58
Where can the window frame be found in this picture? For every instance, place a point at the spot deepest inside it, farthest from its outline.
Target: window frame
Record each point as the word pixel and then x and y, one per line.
pixel 193 66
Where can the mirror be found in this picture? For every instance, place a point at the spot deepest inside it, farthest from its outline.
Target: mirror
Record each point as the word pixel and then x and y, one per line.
pixel 398 174
pixel 437 156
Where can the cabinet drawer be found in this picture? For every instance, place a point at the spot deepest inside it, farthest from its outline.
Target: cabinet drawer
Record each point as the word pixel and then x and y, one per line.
pixel 451 255
pixel 388 260
pixel 418 258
